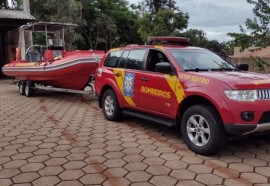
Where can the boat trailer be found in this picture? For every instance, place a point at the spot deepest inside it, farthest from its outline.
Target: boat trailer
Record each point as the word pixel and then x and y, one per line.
pixel 28 88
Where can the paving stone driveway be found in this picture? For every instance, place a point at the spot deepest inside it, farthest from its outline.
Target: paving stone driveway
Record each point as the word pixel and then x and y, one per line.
pixel 63 139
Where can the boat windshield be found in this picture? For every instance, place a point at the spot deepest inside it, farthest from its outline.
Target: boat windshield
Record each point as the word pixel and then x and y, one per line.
pixel 200 60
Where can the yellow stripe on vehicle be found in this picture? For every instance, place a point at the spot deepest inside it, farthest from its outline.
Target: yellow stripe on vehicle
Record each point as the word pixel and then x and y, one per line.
pixel 159 47
pixel 120 83
pixel 176 87
pixel 114 49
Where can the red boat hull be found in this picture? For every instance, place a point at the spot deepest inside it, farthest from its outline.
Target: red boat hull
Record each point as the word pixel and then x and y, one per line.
pixel 71 72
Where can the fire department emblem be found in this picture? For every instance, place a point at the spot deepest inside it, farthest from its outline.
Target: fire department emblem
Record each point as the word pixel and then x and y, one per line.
pixel 129 84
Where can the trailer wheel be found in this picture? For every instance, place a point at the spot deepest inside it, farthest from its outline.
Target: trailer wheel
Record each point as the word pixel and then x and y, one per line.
pixel 110 106
pixel 202 130
pixel 28 89
pixel 21 88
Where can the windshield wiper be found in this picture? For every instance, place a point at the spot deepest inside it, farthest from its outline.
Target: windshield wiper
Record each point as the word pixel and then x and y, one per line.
pixel 195 70
pixel 223 69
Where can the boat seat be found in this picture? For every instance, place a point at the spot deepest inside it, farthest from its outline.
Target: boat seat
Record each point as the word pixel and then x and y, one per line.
pixel 33 56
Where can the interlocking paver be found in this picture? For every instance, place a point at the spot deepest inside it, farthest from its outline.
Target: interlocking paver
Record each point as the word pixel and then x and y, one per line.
pixel 138 176
pixel 95 159
pixel 5 182
pixel 14 164
pixel 74 165
pixel 189 183
pixel 163 180
pixel 241 167
pixel 133 158
pixel 176 164
pixel 154 161
pixel 32 167
pixel 158 170
pixel 116 181
pixel 46 181
pixel 114 155
pixel 237 182
pixel 92 179
pixel 135 166
pixel 183 174
pixel 64 139
pixel 22 156
pixel 4 160
pixel 141 184
pixel 76 156
pixel 255 162
pixel 71 174
pixel 25 177
pixel 254 177
pixel 150 153
pixel 200 169
pixel 8 173
pixel 94 168
pixel 115 172
pixel 71 183
pixel 55 161
pixel 209 179
pixel 115 163
pixel 51 171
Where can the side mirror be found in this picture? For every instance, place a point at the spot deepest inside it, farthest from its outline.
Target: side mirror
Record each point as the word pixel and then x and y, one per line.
pixel 243 67
pixel 163 67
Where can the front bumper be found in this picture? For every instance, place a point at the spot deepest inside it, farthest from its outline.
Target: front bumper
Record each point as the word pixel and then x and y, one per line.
pixel 244 129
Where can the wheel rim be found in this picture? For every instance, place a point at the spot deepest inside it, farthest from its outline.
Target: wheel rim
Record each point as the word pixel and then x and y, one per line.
pixel 21 88
pixel 198 130
pixel 109 106
pixel 27 89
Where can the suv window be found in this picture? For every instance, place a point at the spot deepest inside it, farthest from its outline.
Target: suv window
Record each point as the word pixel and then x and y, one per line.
pixel 154 57
pixel 135 59
pixel 112 58
pixel 123 59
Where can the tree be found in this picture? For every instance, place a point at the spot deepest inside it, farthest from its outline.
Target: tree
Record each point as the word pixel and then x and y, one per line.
pixel 153 6
pixel 15 4
pixel 4 4
pixel 257 32
pixel 197 37
pixel 258 27
pixel 119 24
pixel 67 11
pixel 160 18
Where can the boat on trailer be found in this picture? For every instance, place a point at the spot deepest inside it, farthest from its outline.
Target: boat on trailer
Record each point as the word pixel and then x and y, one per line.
pixel 49 65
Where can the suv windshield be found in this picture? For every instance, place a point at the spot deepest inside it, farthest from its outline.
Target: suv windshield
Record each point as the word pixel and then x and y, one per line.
pixel 200 60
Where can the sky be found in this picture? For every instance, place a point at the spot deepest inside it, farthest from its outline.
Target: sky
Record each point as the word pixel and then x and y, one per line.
pixel 215 17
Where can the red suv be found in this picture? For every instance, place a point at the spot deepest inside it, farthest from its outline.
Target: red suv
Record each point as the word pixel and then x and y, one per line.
pixel 168 82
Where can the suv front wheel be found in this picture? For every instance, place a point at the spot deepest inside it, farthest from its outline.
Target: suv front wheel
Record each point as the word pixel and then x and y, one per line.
pixel 202 129
pixel 110 106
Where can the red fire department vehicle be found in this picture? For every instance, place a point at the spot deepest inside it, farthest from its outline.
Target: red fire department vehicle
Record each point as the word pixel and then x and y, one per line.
pixel 169 82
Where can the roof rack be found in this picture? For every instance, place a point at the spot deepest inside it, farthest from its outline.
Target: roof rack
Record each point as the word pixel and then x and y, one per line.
pixel 167 40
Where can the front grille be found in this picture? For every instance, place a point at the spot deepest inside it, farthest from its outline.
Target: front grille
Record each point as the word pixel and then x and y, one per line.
pixel 265 117
pixel 263 94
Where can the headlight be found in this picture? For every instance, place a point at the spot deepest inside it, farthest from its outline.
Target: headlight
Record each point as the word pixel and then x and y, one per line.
pixel 242 95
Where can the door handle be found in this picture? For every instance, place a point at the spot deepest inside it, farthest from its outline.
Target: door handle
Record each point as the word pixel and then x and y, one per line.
pixel 144 79
pixel 117 74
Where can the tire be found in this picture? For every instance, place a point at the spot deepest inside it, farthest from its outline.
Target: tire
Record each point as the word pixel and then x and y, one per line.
pixel 21 88
pixel 110 106
pixel 202 129
pixel 28 89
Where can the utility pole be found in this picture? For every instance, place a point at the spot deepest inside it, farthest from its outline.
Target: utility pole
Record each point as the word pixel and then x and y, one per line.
pixel 26 6
pixel 25 38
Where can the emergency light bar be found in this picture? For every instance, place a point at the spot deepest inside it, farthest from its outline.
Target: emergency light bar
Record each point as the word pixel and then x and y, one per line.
pixel 167 40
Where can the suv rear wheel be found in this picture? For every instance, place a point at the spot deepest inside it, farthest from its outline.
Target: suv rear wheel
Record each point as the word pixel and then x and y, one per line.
pixel 110 106
pixel 202 129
